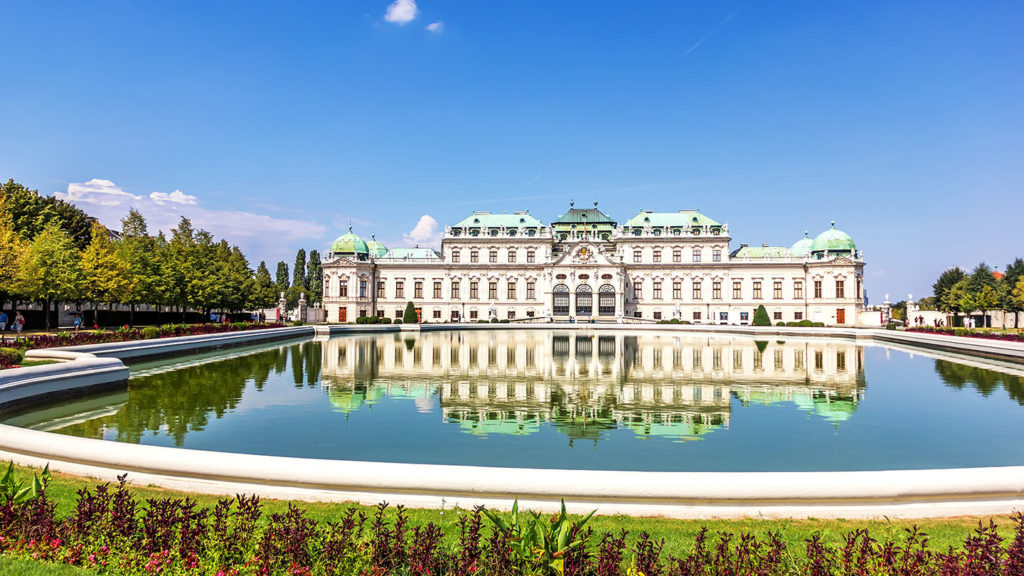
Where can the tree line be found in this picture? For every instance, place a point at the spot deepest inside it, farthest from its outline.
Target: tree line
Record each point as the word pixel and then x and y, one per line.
pixel 957 292
pixel 51 251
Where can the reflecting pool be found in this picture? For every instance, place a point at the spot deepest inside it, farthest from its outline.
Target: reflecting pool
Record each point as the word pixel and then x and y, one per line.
pixel 559 399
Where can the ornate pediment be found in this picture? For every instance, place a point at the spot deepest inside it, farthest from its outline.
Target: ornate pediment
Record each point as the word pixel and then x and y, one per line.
pixel 584 254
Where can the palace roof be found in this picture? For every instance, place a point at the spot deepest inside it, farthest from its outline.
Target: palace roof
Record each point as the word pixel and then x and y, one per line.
pixel 488 220
pixel 682 218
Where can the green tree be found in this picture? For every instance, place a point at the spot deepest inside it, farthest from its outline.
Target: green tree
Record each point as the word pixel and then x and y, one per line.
pixel 299 270
pixel 315 277
pixel 177 265
pixel 282 277
pixel 761 317
pixel 31 212
pixel 52 270
pixel 142 254
pixel 1014 272
pixel 264 292
pixel 957 299
pixel 12 252
pixel 106 276
pixel 1017 294
pixel 410 314
pixel 238 280
pixel 940 290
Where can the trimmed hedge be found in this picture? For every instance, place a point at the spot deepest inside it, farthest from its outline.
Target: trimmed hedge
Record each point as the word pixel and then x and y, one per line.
pixel 10 357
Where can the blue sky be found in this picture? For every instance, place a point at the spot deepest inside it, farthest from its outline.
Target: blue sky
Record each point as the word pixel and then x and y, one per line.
pixel 275 126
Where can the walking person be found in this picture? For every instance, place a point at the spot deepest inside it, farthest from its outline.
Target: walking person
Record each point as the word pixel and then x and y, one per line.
pixel 19 324
pixel 78 322
pixel 3 326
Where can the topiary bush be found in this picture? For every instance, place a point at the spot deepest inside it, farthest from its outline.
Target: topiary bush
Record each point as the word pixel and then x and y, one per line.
pixel 398 321
pixel 385 320
pixel 761 317
pixel 10 357
pixel 150 332
pixel 410 314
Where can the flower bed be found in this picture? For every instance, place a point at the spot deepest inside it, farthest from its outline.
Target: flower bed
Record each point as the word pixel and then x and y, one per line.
pixel 968 333
pixel 111 532
pixel 126 334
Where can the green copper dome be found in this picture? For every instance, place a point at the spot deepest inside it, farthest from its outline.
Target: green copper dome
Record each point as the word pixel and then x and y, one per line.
pixel 376 249
pixel 802 247
pixel 833 241
pixel 349 243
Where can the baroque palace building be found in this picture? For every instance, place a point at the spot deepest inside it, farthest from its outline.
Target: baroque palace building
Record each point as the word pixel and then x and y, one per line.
pixel 586 267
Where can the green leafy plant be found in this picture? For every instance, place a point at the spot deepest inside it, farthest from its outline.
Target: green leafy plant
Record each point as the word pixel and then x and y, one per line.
pixel 761 317
pixel 13 490
pixel 542 544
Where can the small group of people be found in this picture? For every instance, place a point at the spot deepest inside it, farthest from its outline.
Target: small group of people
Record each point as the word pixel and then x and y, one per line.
pixel 259 317
pixel 18 324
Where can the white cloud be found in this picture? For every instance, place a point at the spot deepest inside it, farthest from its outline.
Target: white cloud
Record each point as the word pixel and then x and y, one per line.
pixel 176 197
pixel 96 191
pixel 436 27
pixel 261 236
pixel 401 11
pixel 426 233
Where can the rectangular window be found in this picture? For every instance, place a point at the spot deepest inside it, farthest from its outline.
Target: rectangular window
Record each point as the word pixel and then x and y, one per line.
pixel 744 316
pixel 778 360
pixel 417 289
pixel 696 290
pixel 677 256
pixel 492 257
pixel 529 314
pixel 362 288
pixel 777 289
pixel 757 289
pixel 737 359
pixel 511 289
pixel 512 256
pixel 399 289
pixel 677 290
pixel 455 289
pixel 798 290
pixel 492 291
pixel 798 315
pixel 455 255
pixel 737 290
pixel 472 314
pixel 437 290
pixel 696 255
pixel 696 316
pixel 530 291
pixel 857 296
pixel 638 289
pixel 723 317
pixel 511 316
pixel 840 288
pixel 343 289
pixel 798 359
pixel 657 315
pixel 716 255
pixel 657 290
pixel 474 256
pixel 817 288
pixel 531 256
pixel 474 293
pixel 399 313
pixel 777 315
pixel 657 256
pixel 437 316
pixel 637 257
pixel 716 290
pixel 380 289
pixel 819 361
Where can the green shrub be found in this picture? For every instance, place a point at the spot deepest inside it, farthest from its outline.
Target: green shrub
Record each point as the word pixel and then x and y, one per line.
pixel 385 320
pixel 397 321
pixel 494 320
pixel 761 317
pixel 150 332
pixel 481 321
pixel 780 323
pixel 361 320
pixel 410 314
pixel 505 321
pixel 11 357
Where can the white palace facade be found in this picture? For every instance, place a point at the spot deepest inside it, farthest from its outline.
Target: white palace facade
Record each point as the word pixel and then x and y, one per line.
pixel 587 267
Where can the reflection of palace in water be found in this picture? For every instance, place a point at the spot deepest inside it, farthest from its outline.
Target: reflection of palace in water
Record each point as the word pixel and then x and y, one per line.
pixel 663 384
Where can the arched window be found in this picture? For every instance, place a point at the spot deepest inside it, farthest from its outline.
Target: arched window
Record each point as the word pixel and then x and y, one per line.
pixel 584 300
pixel 606 300
pixel 560 306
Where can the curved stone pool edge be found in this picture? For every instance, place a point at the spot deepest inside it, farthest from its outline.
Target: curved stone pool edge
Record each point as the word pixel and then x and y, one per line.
pixel 895 493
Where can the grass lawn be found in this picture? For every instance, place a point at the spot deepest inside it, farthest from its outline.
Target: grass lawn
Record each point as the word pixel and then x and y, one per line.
pixel 14 566
pixel 678 534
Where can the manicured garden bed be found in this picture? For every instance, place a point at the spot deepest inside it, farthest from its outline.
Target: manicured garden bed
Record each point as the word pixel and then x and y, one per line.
pixel 968 333
pixel 9 359
pixel 119 529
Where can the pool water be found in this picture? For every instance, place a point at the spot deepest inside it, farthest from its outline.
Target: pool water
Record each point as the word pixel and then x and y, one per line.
pixel 586 400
